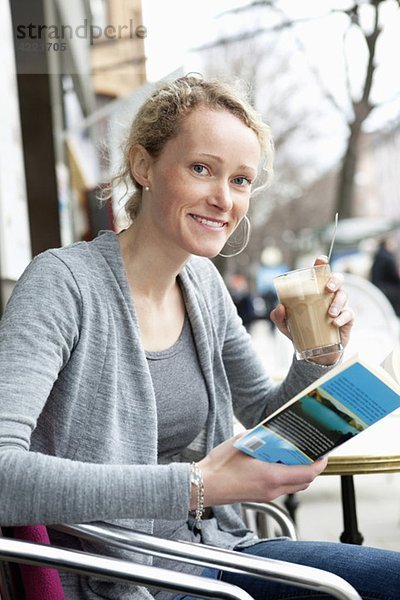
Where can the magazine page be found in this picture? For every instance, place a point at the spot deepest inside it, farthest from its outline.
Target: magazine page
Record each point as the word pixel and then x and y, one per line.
pixel 335 409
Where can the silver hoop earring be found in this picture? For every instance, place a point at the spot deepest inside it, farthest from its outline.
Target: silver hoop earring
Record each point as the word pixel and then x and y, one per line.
pixel 244 239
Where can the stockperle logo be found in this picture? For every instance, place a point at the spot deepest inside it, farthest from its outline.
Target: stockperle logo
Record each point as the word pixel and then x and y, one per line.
pixel 84 31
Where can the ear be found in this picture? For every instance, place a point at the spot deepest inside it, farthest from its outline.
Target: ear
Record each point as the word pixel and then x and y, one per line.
pixel 140 162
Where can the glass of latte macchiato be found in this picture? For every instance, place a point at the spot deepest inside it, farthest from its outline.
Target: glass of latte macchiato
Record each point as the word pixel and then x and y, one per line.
pixel 306 300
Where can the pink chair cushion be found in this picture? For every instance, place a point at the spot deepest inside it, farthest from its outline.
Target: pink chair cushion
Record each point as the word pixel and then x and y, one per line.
pixel 39 583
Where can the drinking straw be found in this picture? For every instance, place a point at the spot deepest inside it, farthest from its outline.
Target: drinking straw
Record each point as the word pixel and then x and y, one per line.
pixel 333 237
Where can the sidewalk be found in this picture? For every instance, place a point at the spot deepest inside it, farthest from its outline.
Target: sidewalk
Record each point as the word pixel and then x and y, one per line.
pixel 319 513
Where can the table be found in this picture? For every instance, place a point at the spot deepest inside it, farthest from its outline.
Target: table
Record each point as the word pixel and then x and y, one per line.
pixel 376 450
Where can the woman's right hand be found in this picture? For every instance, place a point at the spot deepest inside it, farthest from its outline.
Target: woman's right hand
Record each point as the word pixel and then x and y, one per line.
pixel 232 476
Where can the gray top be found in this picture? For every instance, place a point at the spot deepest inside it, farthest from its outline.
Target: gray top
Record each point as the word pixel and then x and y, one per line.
pixel 78 418
pixel 181 395
pixel 182 410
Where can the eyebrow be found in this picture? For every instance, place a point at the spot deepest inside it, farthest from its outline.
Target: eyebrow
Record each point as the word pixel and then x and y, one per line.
pixel 220 160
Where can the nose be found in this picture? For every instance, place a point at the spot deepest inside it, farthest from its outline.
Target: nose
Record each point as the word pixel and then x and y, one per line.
pixel 222 197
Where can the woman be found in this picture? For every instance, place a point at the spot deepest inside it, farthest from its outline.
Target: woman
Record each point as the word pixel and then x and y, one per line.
pixel 104 344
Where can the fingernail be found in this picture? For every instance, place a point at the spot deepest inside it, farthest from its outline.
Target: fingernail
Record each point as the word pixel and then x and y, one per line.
pixel 331 285
pixel 333 311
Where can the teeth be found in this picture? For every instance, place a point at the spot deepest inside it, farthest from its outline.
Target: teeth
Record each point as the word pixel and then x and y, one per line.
pixel 208 222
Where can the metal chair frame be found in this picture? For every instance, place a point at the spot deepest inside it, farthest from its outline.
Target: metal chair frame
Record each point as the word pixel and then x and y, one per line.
pixel 199 554
pixel 111 569
pixel 265 513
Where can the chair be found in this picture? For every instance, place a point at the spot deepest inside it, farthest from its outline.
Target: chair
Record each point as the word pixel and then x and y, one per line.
pixel 106 568
pixel 111 569
pixel 268 520
pixel 376 327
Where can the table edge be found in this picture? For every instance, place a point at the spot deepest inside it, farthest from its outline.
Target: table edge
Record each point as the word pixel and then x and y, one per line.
pixel 362 464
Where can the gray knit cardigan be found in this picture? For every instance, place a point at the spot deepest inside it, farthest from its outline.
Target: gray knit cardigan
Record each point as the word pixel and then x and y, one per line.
pixel 78 427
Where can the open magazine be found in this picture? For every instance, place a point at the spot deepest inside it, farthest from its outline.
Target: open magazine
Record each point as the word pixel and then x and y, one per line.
pixel 332 410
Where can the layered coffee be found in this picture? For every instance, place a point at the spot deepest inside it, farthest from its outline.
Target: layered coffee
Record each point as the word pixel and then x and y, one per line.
pixel 306 300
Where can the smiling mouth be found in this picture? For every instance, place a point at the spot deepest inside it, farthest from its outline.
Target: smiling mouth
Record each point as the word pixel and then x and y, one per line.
pixel 209 222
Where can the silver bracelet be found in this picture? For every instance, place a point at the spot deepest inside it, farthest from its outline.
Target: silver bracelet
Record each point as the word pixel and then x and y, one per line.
pixel 196 478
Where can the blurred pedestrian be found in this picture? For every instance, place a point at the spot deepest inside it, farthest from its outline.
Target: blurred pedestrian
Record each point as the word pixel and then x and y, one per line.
pixel 243 299
pixel 385 272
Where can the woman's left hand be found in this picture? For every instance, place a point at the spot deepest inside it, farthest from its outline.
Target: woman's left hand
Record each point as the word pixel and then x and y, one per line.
pixel 343 316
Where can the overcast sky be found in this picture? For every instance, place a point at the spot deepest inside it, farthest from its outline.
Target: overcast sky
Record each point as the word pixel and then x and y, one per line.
pixel 176 26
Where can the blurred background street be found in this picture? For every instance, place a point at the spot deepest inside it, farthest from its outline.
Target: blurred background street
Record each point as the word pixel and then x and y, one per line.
pixel 319 514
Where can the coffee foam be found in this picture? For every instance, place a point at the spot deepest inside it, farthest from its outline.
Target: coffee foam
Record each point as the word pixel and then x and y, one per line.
pixel 302 282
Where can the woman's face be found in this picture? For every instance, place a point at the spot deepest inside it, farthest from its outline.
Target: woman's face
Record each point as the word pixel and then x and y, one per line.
pixel 200 183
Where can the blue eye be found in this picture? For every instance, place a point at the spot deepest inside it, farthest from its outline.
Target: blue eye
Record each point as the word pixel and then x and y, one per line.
pixel 199 169
pixel 242 181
